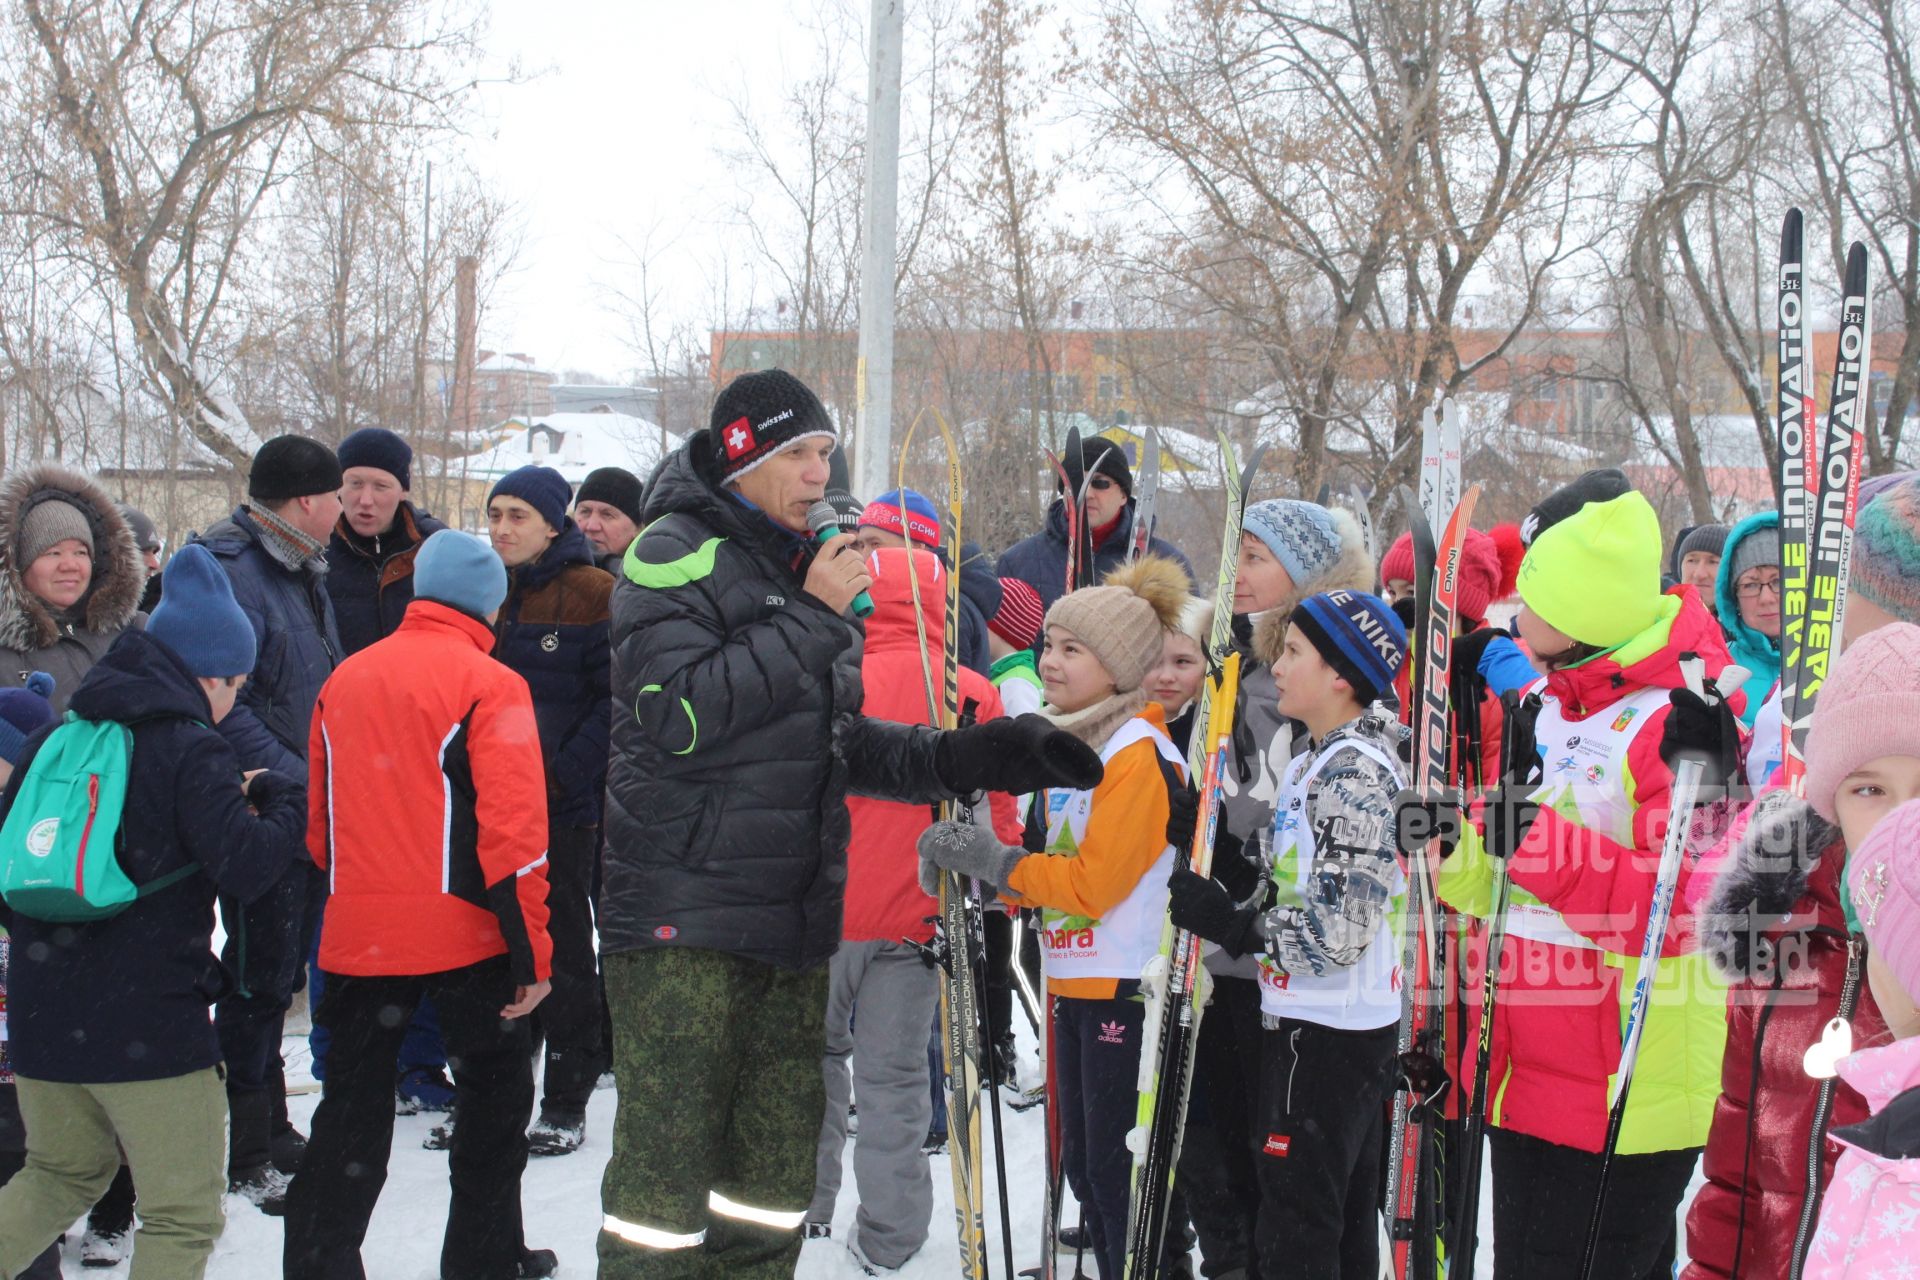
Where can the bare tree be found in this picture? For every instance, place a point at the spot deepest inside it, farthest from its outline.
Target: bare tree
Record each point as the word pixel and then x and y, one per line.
pixel 174 120
pixel 1335 176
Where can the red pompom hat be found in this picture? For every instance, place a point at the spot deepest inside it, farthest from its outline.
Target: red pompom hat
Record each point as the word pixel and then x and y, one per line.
pixel 1489 565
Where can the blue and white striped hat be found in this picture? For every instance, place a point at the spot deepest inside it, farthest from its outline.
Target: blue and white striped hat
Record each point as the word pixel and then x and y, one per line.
pixel 1358 635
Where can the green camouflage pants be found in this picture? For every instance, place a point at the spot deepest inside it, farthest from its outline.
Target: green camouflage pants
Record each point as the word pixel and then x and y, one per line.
pixel 720 1102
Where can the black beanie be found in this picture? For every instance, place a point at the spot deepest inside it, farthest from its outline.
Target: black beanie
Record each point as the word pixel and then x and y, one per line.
pixel 380 449
pixel 758 414
pixel 292 467
pixel 1104 456
pixel 847 507
pixel 615 486
pixel 1603 484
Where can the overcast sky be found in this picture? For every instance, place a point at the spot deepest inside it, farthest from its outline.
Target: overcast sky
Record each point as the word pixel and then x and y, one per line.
pixel 615 128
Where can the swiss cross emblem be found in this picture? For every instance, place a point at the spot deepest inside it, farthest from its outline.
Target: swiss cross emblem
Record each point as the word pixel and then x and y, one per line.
pixel 739 438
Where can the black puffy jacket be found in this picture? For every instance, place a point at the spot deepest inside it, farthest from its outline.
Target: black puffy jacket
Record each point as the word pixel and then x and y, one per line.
pixel 737 734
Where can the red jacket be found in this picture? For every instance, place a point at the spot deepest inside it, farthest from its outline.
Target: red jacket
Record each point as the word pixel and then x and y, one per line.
pixel 436 849
pixel 884 899
pixel 1757 1156
pixel 1557 1033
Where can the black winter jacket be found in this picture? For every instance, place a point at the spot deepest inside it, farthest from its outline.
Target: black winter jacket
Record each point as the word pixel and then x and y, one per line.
pixel 737 734
pixel 370 580
pixel 128 997
pixel 552 630
pixel 1040 560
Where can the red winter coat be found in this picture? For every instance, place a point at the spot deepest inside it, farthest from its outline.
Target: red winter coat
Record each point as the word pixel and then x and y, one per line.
pixel 436 851
pixel 1757 1156
pixel 884 899
pixel 1558 1031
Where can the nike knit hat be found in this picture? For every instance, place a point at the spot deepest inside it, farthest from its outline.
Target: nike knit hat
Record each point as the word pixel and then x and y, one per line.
pixel 1356 634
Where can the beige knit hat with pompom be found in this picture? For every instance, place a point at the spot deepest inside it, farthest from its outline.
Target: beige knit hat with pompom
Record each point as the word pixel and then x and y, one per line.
pixel 1125 619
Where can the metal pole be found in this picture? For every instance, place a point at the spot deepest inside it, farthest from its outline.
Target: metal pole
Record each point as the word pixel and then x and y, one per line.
pixel 873 426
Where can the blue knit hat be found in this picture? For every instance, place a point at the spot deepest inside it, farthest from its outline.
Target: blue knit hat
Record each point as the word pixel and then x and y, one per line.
pixel 1358 635
pixel 459 569
pixel 542 488
pixel 22 712
pixel 1302 536
pixel 198 619
pixel 379 448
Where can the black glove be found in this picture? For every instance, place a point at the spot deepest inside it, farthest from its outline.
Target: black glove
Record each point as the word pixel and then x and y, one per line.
pixel 1016 755
pixel 1705 731
pixel 1238 874
pixel 1204 907
pixel 1183 806
pixel 1421 819
pixel 1508 816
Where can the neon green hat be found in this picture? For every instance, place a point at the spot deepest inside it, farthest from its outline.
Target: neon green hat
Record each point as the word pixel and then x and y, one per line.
pixel 1596 574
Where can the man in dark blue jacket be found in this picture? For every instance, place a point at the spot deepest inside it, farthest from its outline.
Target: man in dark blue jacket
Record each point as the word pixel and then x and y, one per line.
pixel 109 1031
pixel 273 550
pixel 371 549
pixel 553 631
pixel 1040 560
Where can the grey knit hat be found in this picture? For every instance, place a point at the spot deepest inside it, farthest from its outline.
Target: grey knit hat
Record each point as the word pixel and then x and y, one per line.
pixel 1761 547
pixel 52 520
pixel 1710 538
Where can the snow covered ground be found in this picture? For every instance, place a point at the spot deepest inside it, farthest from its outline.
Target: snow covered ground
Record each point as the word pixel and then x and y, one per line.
pixel 562 1203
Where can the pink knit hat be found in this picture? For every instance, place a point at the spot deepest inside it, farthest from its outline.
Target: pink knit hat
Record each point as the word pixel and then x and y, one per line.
pixel 1869 707
pixel 1883 879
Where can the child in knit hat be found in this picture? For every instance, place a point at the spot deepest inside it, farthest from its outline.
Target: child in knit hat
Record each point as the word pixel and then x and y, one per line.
pixel 1872 1207
pixel 1324 926
pixel 23 712
pixel 109 1022
pixel 1581 846
pixel 1101 880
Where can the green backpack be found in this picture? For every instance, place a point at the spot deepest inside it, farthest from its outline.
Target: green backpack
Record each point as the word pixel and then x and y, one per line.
pixel 57 847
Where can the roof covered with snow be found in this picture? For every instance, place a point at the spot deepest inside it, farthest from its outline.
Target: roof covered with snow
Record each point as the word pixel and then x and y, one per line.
pixel 571 443
pixel 508 362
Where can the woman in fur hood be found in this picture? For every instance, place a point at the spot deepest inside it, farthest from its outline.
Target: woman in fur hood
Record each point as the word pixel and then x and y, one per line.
pixel 70 577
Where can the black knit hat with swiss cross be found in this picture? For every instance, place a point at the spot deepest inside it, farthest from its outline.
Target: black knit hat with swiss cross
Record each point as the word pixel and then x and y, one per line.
pixel 758 414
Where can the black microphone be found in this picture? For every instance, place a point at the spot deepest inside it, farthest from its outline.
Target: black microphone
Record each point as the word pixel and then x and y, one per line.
pixel 825 523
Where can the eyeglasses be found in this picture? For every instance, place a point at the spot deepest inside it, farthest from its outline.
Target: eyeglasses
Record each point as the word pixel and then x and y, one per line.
pixel 1102 483
pixel 1757 588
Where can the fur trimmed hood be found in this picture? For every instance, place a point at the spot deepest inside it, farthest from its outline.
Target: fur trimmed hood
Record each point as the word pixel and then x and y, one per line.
pixel 1764 880
pixel 119 574
pixel 1353 571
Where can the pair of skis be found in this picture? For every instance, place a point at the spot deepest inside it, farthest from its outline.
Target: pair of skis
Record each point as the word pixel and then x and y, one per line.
pixel 1819 489
pixel 1819 493
pixel 961 912
pixel 1412 1153
pixel 1440 463
pixel 1174 983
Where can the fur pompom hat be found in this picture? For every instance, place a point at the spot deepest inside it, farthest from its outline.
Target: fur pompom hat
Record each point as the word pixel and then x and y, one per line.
pixel 1125 620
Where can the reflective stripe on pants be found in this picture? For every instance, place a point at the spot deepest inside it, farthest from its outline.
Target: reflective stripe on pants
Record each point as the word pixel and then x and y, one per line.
pixel 777 1219
pixel 650 1237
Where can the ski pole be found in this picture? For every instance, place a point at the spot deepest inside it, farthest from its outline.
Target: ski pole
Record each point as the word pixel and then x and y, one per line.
pixel 1685 795
pixel 1466 1240
pixel 993 1086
